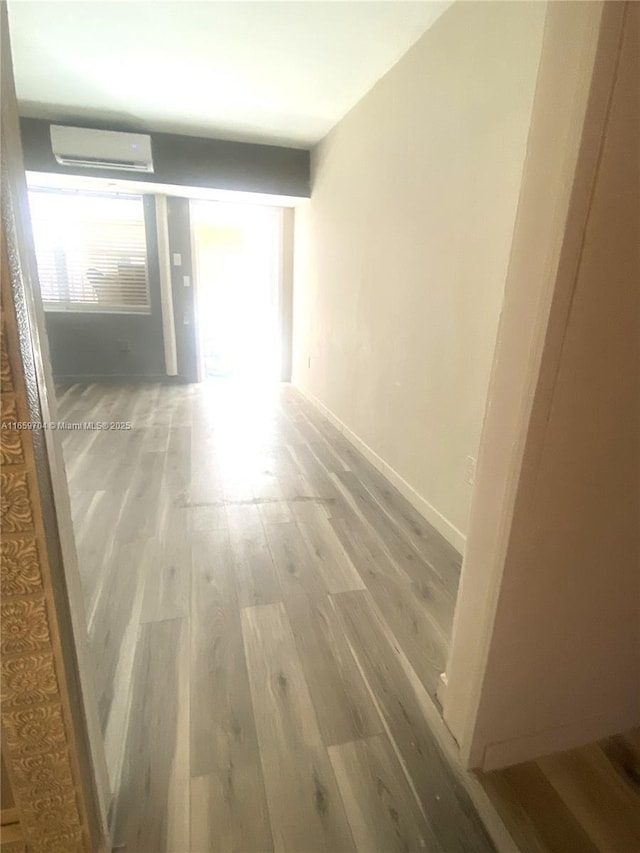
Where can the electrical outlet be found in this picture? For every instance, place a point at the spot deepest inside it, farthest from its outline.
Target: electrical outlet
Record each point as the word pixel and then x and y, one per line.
pixel 124 346
pixel 309 362
pixel 470 470
pixel 177 259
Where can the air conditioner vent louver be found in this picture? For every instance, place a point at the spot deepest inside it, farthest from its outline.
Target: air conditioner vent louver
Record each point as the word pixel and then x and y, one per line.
pixel 101 149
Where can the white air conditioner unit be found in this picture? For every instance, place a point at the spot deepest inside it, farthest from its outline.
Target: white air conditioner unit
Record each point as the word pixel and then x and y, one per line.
pixel 101 149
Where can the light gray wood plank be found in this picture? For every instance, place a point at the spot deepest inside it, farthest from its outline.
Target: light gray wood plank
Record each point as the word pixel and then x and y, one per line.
pixel 265 480
pixel 216 826
pixel 156 439
pixel 379 571
pixel 168 589
pixel 305 511
pixel 316 474
pixel 380 805
pixel 274 511
pixel 343 706
pixel 418 633
pixel 325 453
pixel 114 621
pixel 114 631
pixel 95 535
pixel 305 807
pixel 229 811
pixel 438 602
pixel 177 469
pixel 142 502
pixel 332 560
pixel 297 572
pixel 207 517
pixel 256 578
pixel 153 805
pixel 433 547
pixel 451 815
pixel 400 550
pixel 365 549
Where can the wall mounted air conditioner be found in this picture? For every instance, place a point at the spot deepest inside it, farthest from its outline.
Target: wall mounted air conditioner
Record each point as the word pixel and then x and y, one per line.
pixel 101 149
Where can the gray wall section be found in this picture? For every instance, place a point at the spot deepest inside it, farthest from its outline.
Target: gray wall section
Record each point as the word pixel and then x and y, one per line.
pixel 112 346
pixel 188 161
pixel 179 223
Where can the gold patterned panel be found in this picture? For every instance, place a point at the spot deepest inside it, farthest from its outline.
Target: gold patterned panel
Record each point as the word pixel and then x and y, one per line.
pixel 8 409
pixel 38 775
pixel 34 730
pixel 12 840
pixel 68 842
pixel 15 502
pixel 10 444
pixel 19 566
pixel 13 847
pixel 24 626
pixel 53 808
pixel 6 383
pixel 28 680
pixel 10 448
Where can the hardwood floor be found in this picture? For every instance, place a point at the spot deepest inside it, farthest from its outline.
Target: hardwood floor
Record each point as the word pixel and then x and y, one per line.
pixel 267 617
pixel 584 800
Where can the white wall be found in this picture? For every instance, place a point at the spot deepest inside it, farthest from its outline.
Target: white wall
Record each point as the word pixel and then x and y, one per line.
pixel 402 252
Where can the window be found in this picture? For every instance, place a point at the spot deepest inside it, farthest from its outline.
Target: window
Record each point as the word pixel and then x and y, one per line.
pixel 90 250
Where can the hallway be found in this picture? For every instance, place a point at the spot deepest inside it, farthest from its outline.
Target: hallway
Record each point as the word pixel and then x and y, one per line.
pixel 269 619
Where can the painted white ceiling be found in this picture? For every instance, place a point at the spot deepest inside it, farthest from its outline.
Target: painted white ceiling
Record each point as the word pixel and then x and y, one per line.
pixel 280 72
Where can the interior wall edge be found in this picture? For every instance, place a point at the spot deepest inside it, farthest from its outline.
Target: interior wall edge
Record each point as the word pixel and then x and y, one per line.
pixel 499 658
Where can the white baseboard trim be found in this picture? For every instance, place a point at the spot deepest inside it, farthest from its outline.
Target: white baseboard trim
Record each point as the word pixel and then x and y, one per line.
pixel 450 532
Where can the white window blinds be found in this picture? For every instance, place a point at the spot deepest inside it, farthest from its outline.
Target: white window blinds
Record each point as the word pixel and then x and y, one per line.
pixel 91 251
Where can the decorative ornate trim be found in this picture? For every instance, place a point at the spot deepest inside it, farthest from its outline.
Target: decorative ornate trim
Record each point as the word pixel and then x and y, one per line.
pixel 37 732
pixel 10 444
pixel 20 566
pixel 33 731
pixel 24 626
pixel 15 502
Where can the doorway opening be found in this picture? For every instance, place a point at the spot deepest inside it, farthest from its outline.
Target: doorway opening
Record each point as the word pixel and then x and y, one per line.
pixel 236 250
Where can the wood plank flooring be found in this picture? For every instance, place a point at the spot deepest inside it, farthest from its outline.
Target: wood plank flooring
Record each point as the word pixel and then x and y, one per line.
pixel 269 618
pixel 231 545
pixel 584 800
